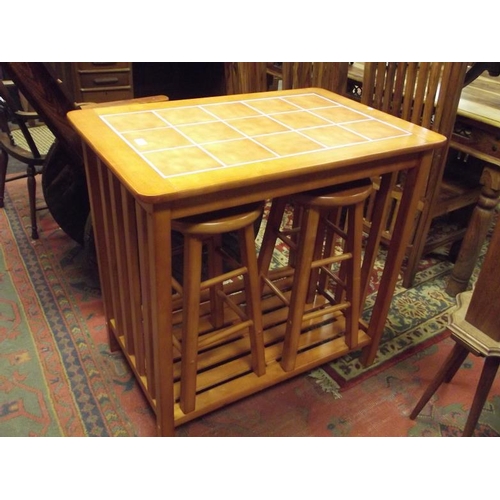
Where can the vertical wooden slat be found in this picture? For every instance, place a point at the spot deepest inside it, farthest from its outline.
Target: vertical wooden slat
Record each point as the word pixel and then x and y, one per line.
pixel 133 274
pixel 110 244
pixel 410 79
pixel 93 173
pixel 389 87
pixel 399 85
pixel 119 235
pixel 419 92
pixel 146 298
pixel 431 106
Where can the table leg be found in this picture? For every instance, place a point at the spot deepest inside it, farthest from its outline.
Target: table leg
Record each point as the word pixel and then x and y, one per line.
pixel 476 232
pixel 160 291
pixel 415 181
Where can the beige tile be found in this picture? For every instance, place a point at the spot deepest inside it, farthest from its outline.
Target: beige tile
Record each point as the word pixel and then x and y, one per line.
pixel 230 110
pixel 134 121
pixel 209 132
pixel 339 114
pixel 257 126
pixel 373 129
pixel 300 119
pixel 181 160
pixel 148 140
pixel 333 136
pixel 186 114
pixel 289 143
pixel 237 152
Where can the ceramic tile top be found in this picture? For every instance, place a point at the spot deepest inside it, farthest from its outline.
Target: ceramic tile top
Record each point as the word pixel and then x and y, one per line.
pixel 193 139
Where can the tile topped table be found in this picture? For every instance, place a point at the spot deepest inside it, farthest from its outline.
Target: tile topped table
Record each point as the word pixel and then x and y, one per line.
pixel 148 164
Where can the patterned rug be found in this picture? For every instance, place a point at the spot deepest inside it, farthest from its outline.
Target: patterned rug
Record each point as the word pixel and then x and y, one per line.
pixel 58 377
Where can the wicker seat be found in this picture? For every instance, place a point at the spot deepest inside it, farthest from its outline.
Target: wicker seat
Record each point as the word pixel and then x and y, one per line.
pixel 25 139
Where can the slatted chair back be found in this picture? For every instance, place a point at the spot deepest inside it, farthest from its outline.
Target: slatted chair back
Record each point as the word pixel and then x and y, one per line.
pixel 427 94
pixel 245 77
pixel 328 75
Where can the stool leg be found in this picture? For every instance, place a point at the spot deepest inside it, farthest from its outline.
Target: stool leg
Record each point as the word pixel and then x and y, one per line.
pixel 330 243
pixel 315 274
pixel 456 356
pixel 270 234
pixel 305 253
pixel 215 268
pixel 253 303
pixel 483 388
pixel 191 311
pixel 353 292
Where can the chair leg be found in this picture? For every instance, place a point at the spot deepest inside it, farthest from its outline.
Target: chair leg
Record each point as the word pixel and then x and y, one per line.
pixel 488 374
pixel 191 303
pixel 455 358
pixel 32 200
pixel 4 158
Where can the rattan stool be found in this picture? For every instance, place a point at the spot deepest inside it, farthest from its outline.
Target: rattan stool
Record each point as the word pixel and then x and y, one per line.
pixel 208 229
pixel 313 255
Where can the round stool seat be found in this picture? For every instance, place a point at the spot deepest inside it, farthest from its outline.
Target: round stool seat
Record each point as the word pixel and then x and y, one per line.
pixel 219 221
pixel 336 196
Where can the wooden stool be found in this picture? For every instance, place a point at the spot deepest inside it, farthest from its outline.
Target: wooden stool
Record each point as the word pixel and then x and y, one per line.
pixel 320 215
pixel 469 339
pixel 208 229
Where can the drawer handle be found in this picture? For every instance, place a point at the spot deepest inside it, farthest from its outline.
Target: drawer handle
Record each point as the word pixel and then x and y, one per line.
pixel 103 63
pixel 105 81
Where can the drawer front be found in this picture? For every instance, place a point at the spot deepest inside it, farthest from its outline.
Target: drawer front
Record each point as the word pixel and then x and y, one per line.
pixel 98 80
pixel 102 66
pixel 479 138
pixel 106 95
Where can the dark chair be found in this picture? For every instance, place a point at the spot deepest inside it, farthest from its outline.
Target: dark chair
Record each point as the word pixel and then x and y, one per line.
pixel 64 183
pixel 26 139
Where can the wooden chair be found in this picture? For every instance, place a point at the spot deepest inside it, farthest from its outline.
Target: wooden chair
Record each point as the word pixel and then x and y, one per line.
pixel 246 322
pixel 24 138
pixel 311 268
pixel 426 94
pixel 475 329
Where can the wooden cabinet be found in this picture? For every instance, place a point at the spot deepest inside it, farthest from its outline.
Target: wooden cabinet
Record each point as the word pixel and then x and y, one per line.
pixel 102 81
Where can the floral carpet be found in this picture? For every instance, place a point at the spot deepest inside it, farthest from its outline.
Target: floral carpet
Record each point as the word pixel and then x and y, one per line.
pixel 58 377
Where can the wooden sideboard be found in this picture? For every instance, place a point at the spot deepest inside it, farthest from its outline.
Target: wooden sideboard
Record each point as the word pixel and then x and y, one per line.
pixel 102 81
pixel 477 134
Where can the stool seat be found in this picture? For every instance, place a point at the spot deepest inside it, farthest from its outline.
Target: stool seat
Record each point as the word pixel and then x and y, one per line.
pixel 336 196
pixel 217 222
pixel 207 229
pixel 313 242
